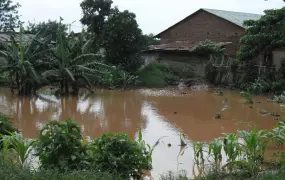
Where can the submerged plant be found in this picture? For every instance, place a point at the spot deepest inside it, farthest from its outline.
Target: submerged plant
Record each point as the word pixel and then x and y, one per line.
pixel 17 149
pixel 278 99
pixel 247 96
pixel 232 148
pixel 198 148
pixel 215 151
pixel 253 148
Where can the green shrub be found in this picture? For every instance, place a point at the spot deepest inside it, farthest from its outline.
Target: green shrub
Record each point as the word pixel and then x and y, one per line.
pixel 117 153
pixel 119 79
pixel 59 146
pixel 155 75
pixel 6 127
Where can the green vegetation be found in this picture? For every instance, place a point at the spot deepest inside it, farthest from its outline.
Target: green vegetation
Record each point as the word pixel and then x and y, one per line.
pixel 6 126
pixel 48 55
pixel 160 75
pixel 17 149
pixel 12 172
pixel 117 153
pixel 172 176
pixel 154 75
pixel 61 149
pixel 244 157
pixel 9 15
pixel 247 96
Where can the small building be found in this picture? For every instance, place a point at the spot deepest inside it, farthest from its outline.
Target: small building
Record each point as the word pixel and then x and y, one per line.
pixel 222 27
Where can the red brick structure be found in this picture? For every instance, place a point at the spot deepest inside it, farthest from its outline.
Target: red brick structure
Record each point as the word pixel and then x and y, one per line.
pixel 215 25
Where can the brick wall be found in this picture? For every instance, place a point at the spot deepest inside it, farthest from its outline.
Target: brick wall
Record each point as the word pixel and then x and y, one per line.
pixel 204 25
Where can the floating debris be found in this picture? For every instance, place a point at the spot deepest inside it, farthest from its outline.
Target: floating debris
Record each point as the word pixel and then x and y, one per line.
pixel 169 145
pixel 218 116
pixel 263 112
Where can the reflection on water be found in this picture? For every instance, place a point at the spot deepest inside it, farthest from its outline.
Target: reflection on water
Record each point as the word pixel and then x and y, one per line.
pixel 159 113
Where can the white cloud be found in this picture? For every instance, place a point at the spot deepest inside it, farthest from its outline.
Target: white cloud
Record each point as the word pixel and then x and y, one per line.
pixel 153 16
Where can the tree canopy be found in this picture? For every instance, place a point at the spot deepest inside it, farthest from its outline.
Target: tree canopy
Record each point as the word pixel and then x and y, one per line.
pixel 123 40
pixel 118 32
pixel 9 17
pixel 95 13
pixel 46 28
pixel 264 34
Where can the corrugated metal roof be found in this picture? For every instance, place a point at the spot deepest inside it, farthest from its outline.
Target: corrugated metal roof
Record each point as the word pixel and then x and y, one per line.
pixel 180 46
pixel 235 17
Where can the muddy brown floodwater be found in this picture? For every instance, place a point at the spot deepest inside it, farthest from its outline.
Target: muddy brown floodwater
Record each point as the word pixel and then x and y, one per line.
pixel 158 112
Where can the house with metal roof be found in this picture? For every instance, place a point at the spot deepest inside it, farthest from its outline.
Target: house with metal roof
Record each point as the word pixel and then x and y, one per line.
pixel 223 27
pixel 216 25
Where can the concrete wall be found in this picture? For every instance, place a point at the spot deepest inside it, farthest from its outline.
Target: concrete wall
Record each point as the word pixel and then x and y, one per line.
pixel 179 60
pixel 204 25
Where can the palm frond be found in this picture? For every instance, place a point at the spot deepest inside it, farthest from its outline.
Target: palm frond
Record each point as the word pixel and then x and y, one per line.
pixel 70 74
pixel 3 54
pixel 51 73
pixel 87 46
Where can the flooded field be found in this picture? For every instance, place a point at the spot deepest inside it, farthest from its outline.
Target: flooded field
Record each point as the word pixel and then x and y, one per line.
pixel 159 113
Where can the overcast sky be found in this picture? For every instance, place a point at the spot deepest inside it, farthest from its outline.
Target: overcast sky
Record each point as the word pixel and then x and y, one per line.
pixel 153 16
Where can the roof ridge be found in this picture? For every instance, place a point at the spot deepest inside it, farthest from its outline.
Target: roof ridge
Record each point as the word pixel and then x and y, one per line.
pixel 230 11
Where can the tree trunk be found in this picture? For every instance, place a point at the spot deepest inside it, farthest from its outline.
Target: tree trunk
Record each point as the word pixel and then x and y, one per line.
pixel 61 86
pixel 75 88
pixel 66 87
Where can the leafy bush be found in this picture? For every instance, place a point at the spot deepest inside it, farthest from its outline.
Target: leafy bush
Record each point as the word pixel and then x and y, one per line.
pixel 59 146
pixel 117 153
pixel 258 86
pixel 208 47
pixel 155 75
pixel 119 78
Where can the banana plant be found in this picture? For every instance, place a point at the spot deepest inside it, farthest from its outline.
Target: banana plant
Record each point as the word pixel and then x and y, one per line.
pixel 69 66
pixel 20 57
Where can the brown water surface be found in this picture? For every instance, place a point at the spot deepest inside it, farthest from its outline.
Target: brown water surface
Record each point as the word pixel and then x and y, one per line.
pixel 160 112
